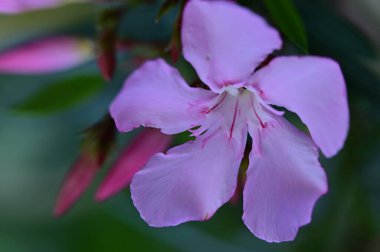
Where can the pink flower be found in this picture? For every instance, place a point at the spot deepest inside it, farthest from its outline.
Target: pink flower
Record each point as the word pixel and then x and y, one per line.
pixel 19 6
pixel 131 160
pixel 46 56
pixel 225 43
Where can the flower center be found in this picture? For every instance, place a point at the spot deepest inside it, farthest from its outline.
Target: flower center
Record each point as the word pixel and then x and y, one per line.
pixel 234 91
pixel 234 109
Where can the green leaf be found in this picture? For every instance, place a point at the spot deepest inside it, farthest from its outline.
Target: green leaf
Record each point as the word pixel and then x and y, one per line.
pixel 165 7
pixel 286 17
pixel 60 95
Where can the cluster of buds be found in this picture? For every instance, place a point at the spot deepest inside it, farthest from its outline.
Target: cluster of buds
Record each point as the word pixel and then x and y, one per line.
pixel 97 145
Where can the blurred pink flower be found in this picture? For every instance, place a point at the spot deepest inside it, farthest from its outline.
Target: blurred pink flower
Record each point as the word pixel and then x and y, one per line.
pixel 19 6
pixel 131 160
pixel 76 182
pixel 46 56
pixel 226 44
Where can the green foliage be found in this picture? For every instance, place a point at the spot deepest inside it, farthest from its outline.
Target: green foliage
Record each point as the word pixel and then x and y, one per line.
pixel 31 25
pixel 60 95
pixel 286 18
pixel 335 37
pixel 333 33
pixel 165 7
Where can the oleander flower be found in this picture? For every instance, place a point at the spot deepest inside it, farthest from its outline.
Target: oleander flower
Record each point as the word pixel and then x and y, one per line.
pixel 227 44
pixel 46 55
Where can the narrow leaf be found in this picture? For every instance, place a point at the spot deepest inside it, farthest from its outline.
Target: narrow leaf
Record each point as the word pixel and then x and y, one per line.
pixel 286 17
pixel 60 95
pixel 165 7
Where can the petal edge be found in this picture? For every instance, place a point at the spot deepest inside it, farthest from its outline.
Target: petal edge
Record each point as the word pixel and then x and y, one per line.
pixel 284 181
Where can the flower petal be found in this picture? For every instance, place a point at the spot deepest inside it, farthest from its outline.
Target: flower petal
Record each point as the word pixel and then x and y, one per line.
pixel 131 160
pixel 225 42
pixel 46 56
pixel 155 95
pixel 284 180
pixel 314 88
pixel 190 182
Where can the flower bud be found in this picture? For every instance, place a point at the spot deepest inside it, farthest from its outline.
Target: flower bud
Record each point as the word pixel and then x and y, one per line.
pixel 131 160
pixel 96 147
pixel 20 6
pixel 107 30
pixel 46 56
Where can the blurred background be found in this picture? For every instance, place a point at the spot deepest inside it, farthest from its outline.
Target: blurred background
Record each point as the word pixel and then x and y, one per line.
pixel 40 137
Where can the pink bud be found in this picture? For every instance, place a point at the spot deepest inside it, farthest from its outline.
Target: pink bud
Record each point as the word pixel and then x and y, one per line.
pixel 76 182
pixel 107 31
pixel 107 64
pixel 46 56
pixel 19 6
pixel 131 160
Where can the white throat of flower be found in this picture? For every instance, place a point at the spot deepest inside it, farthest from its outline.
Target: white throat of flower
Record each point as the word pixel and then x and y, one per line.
pixel 232 90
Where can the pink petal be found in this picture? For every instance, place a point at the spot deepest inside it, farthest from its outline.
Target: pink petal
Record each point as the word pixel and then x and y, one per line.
pixel 76 182
pixel 314 88
pixel 19 6
pixel 284 180
pixel 189 183
pixel 155 95
pixel 46 56
pixel 131 160
pixel 225 42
